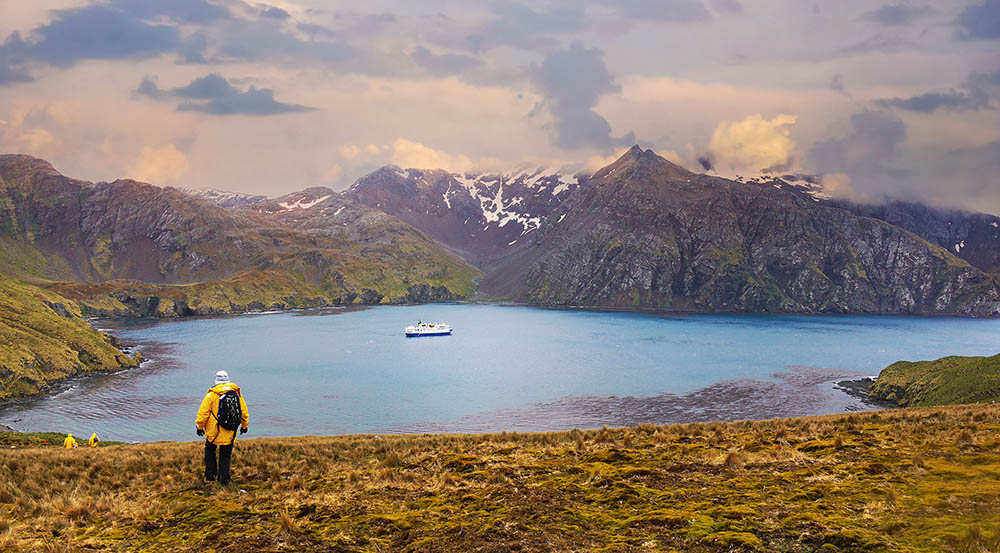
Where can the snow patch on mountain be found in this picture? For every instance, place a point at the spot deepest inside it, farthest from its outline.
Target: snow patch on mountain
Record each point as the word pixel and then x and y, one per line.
pixel 223 198
pixel 302 204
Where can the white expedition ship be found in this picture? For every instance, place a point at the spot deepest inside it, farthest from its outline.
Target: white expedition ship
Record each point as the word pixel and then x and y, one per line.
pixel 427 329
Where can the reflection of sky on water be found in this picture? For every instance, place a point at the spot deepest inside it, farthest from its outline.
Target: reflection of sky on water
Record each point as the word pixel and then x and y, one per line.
pixel 346 371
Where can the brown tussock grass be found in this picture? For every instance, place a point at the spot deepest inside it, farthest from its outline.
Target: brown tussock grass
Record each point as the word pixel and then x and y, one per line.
pixel 917 480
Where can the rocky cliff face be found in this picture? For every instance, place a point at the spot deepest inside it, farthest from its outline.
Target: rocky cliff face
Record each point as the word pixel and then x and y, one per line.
pixel 483 216
pixel 646 233
pixel 333 251
pixel 974 237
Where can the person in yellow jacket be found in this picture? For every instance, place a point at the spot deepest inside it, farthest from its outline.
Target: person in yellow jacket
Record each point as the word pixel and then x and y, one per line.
pixel 69 442
pixel 216 436
pixel 92 442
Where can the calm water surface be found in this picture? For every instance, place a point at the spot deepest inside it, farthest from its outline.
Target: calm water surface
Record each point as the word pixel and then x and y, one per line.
pixel 505 368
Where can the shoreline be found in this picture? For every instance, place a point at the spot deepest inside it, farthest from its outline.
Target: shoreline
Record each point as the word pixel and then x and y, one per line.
pixel 794 392
pixel 595 308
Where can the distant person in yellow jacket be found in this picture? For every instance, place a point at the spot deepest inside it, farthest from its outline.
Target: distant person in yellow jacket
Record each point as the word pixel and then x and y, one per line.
pixel 92 442
pixel 69 442
pixel 222 411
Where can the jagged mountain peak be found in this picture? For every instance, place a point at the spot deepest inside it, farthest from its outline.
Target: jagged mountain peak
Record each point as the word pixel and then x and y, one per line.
pixel 643 165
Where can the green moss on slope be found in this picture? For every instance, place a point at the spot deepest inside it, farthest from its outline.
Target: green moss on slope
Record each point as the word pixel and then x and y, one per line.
pixel 949 380
pixel 43 339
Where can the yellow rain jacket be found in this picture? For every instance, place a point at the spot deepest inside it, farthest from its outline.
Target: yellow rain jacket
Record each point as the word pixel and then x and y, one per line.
pixel 92 442
pixel 207 415
pixel 69 442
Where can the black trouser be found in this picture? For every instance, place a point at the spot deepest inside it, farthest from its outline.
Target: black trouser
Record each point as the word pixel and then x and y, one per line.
pixel 222 468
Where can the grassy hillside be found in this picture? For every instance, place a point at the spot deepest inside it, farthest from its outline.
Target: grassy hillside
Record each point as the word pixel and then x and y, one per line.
pixel 915 480
pixel 43 338
pixel 249 291
pixel 946 381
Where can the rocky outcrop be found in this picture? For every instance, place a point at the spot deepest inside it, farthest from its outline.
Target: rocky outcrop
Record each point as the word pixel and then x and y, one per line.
pixel 645 233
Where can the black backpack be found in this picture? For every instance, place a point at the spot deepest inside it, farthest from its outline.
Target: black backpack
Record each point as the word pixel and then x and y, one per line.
pixel 230 414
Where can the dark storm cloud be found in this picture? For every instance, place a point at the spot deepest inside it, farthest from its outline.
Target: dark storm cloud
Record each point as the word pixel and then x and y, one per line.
pixel 149 88
pixel 731 6
pixel 933 101
pixel 897 14
pixel 837 83
pixel 11 71
pixel 208 87
pixel 274 12
pixel 873 140
pixel 979 88
pixel 181 11
pixel 192 48
pixel 267 40
pixel 443 64
pixel 214 95
pixel 877 43
pixel 676 11
pixel 519 25
pixel 102 32
pixel 980 21
pixel 571 82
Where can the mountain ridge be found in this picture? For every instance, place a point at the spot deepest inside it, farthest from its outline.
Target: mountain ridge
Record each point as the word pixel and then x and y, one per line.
pixel 55 228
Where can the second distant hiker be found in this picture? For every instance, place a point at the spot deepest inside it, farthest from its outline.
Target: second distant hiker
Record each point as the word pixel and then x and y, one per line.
pixel 222 411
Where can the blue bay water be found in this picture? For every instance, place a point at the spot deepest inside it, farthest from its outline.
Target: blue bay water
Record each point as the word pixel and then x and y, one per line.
pixel 505 368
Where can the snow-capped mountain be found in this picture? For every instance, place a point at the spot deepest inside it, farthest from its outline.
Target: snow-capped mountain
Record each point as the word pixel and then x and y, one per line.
pixel 223 198
pixel 482 215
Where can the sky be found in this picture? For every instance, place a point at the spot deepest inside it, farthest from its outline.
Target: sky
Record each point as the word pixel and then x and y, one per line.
pixel 895 99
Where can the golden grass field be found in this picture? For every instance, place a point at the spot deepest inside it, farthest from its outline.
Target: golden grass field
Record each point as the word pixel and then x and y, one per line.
pixel 910 480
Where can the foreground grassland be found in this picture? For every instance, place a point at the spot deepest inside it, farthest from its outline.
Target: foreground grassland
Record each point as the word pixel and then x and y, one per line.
pixel 907 480
pixel 944 381
pixel 44 339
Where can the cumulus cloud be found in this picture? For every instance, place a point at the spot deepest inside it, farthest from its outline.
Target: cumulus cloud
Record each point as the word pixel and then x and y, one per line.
pixel 838 185
pixel 37 129
pixel 980 21
pixel 443 64
pixel 872 141
pixel 752 145
pixel 214 95
pixel 406 153
pixel 571 82
pixel 353 151
pixel 897 14
pixel 159 164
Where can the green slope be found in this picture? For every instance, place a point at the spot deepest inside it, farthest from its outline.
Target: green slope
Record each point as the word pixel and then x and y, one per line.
pixel 949 380
pixel 43 338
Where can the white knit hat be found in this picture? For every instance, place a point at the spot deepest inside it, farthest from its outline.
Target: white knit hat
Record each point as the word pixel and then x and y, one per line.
pixel 221 377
